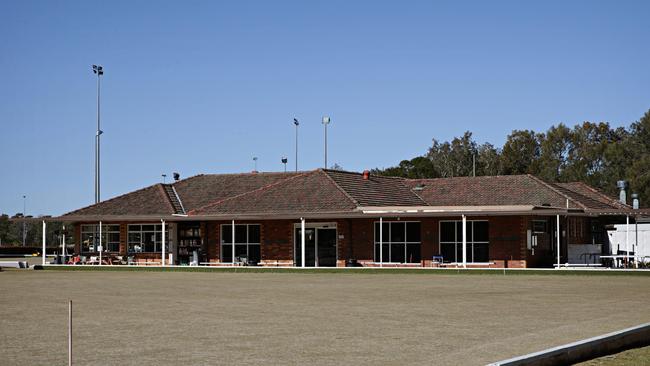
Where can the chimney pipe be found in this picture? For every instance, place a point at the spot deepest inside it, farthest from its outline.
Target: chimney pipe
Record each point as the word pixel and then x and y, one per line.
pixel 366 175
pixel 622 197
pixel 635 201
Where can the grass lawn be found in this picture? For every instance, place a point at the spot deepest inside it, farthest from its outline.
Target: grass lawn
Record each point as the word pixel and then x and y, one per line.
pixel 225 318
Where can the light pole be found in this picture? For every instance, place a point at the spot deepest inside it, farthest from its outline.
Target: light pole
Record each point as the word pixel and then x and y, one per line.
pixel 24 216
pixel 284 161
pixel 99 71
pixel 326 121
pixel 295 122
pixel 255 162
pixel 164 177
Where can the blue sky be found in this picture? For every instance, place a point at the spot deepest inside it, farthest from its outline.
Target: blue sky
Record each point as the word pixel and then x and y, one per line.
pixel 202 87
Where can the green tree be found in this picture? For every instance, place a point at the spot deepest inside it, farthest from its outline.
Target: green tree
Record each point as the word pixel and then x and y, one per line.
pixel 520 153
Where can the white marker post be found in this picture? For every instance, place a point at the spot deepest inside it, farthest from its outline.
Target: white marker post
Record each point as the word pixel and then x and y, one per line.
pixel 70 333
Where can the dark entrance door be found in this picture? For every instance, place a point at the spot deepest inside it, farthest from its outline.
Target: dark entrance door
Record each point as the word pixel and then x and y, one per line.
pixel 310 247
pixel 320 247
pixel 326 240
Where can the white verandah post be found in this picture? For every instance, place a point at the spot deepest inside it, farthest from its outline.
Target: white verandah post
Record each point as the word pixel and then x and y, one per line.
pixel 558 241
pixel 44 236
pixel 464 241
pixel 302 242
pixel 99 247
pixel 164 236
pixel 232 237
pixel 381 242
pixel 627 240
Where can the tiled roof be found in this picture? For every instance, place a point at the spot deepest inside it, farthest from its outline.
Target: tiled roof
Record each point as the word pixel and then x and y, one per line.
pixel 589 197
pixel 201 190
pixel 489 191
pixel 331 191
pixel 377 190
pixel 152 200
pixel 310 192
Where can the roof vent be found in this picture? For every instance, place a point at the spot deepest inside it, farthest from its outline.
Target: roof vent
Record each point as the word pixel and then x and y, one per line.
pixel 635 201
pixel 254 172
pixel 419 187
pixel 366 175
pixel 622 197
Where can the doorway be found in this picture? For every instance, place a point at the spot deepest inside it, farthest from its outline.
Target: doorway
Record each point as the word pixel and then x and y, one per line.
pixel 320 246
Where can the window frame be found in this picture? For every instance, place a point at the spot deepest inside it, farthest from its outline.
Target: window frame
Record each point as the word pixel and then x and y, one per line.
pixel 248 243
pixel 157 244
pixel 387 241
pixel 459 241
pixel 109 246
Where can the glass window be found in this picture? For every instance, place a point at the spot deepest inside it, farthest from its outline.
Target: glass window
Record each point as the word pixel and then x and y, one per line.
pixel 447 231
pixel 90 238
pixel 146 238
pixel 481 232
pixel 241 234
pixel 397 232
pixel 451 241
pixel 247 243
pixel 413 232
pixel 402 243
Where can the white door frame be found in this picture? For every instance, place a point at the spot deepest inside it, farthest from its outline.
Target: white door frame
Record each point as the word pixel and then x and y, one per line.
pixel 315 226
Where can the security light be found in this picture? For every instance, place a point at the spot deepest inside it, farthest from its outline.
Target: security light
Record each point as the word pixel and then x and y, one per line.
pixel 295 122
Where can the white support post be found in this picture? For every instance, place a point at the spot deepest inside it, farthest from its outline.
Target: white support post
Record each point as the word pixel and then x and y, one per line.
pixel 99 247
pixel 233 243
pixel 636 242
pixel 302 242
pixel 558 241
pixel 164 237
pixel 627 240
pixel 63 245
pixel 464 241
pixel 44 236
pixel 381 242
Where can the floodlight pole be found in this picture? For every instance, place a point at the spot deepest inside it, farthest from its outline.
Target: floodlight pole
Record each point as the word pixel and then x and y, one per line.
pixel 326 121
pixel 24 216
pixel 99 71
pixel 295 122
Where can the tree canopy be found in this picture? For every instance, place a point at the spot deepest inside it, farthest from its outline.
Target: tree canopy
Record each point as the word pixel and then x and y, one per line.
pixel 594 153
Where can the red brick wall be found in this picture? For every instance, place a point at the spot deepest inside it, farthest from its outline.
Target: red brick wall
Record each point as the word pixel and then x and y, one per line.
pixel 356 238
